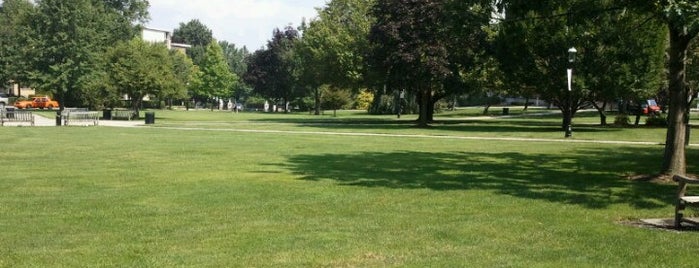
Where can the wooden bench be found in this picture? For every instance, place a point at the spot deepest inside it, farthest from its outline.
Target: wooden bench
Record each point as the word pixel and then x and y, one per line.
pixel 70 110
pixel 123 114
pixel 16 117
pixel 71 118
pixel 684 200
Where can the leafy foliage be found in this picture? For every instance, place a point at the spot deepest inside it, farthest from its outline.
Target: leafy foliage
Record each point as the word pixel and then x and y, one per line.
pixel 273 72
pixel 14 37
pixel 620 52
pixel 426 46
pixel 333 47
pixel 137 68
pixel 197 35
pixel 69 37
pixel 214 79
pixel 335 98
pixel 237 62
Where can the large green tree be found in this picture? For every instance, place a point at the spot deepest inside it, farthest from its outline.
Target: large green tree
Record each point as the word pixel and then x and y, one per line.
pixel 619 52
pixel 184 72
pixel 214 79
pixel 237 63
pixel 681 17
pixel 273 71
pixel 333 46
pixel 15 34
pixel 197 35
pixel 427 46
pixel 138 69
pixel 69 37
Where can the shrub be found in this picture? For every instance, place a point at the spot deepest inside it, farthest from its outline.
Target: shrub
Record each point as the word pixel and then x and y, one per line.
pixel 334 99
pixel 656 121
pixel 382 105
pixel 364 100
pixel 622 120
pixel 255 102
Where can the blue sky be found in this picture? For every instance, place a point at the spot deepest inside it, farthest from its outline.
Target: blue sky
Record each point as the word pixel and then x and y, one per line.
pixel 242 22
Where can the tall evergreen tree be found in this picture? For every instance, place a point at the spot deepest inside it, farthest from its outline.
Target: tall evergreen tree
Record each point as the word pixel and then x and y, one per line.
pixel 214 79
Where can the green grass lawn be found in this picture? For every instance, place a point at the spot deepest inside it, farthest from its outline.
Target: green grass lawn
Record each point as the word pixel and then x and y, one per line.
pixel 166 197
pixel 534 124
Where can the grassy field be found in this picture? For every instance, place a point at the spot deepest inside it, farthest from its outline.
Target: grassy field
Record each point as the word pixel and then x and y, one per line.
pixel 168 196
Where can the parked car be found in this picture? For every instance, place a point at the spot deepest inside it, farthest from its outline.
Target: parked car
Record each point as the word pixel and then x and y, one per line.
pixel 37 102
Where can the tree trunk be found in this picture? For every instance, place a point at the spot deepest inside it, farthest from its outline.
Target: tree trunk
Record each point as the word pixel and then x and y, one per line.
pixel 526 103
pixel 602 115
pixel 674 161
pixel 566 119
pixel 316 97
pixel 430 110
pixel 423 120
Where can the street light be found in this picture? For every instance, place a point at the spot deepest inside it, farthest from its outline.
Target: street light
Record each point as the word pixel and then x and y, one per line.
pixel 571 59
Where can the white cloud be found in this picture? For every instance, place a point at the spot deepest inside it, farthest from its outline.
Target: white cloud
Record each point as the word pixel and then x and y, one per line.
pixel 243 22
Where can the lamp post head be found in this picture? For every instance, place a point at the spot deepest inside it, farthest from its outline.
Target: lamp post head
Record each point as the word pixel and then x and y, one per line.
pixel 571 54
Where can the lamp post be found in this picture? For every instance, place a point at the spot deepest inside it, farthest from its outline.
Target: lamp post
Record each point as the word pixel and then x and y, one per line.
pixel 571 59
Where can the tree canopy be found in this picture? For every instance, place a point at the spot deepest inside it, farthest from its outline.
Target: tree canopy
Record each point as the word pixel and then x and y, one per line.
pixel 273 72
pixel 68 38
pixel 197 35
pixel 214 79
pixel 138 68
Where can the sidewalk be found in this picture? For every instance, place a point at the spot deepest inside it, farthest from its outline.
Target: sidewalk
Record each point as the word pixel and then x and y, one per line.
pixel 41 121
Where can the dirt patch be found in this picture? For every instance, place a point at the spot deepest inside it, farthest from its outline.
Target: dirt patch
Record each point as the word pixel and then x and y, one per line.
pixel 660 224
pixel 658 178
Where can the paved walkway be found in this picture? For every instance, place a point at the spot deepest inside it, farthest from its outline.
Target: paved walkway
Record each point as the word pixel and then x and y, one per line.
pixel 47 122
pixel 41 121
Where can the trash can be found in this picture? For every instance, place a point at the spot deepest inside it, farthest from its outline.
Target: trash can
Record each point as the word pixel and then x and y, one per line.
pixel 107 114
pixel 505 111
pixel 150 118
pixel 10 112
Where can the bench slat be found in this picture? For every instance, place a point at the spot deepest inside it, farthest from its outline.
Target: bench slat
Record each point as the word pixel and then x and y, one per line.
pixel 685 179
pixel 125 114
pixel 690 199
pixel 16 116
pixel 89 117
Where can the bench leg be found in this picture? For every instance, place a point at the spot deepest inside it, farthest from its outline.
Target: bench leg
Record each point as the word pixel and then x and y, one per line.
pixel 679 206
pixel 678 215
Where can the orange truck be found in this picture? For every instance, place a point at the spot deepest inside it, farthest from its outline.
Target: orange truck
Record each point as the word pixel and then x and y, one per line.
pixel 37 102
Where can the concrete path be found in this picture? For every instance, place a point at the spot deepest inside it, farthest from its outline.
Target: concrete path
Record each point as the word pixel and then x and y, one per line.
pixel 41 121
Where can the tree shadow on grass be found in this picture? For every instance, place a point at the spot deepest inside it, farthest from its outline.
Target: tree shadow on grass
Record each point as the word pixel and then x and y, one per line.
pixel 592 178
pixel 462 125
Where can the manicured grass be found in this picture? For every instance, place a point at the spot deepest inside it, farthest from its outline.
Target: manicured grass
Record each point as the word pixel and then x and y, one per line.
pixel 544 124
pixel 161 197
